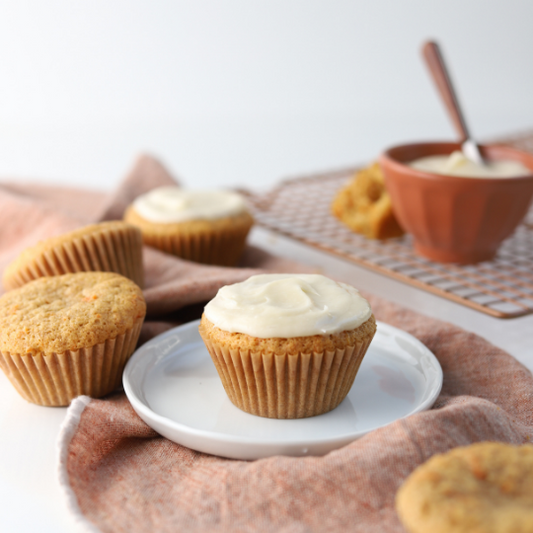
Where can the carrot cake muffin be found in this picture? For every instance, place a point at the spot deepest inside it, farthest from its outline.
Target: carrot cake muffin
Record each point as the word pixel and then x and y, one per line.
pixel 202 226
pixel 68 335
pixel 287 345
pixel 106 247
pixel 364 205
pixel 484 488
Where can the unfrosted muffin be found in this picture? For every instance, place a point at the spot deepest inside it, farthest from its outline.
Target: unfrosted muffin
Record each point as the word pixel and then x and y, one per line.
pixel 484 488
pixel 68 335
pixel 105 247
pixel 364 205
pixel 287 345
pixel 202 226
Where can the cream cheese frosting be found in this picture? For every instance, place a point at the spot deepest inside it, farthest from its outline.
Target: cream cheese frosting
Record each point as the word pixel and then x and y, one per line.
pixel 287 305
pixel 173 204
pixel 457 164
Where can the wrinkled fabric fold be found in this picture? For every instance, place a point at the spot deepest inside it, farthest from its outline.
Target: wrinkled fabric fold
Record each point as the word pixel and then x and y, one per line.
pixel 146 483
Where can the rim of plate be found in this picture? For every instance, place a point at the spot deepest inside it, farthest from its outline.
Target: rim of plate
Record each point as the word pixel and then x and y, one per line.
pixel 141 407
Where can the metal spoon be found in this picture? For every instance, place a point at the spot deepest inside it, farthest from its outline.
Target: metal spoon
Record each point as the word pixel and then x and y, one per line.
pixel 439 72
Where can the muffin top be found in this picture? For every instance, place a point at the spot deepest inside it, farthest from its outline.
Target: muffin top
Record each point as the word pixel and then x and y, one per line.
pixel 169 205
pixel 69 312
pixel 287 306
pixel 487 486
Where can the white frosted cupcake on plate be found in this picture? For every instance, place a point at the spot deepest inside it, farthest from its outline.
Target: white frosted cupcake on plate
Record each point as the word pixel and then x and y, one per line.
pixel 202 226
pixel 287 345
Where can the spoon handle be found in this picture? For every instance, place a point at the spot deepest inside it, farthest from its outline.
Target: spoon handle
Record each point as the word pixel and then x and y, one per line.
pixel 439 72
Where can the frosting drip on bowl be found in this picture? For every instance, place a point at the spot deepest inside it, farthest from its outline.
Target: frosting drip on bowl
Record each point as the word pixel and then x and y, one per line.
pixel 457 164
pixel 287 305
pixel 173 204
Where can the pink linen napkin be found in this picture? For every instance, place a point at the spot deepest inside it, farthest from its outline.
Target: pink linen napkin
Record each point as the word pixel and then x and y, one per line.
pixel 119 475
pixel 123 477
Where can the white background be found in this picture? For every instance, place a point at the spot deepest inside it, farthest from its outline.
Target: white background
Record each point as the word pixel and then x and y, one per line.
pixel 238 92
pixel 245 92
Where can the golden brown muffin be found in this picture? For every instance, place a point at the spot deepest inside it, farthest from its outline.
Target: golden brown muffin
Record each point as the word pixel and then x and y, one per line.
pixel 68 335
pixel 365 206
pixel 287 378
pixel 106 247
pixel 214 242
pixel 482 488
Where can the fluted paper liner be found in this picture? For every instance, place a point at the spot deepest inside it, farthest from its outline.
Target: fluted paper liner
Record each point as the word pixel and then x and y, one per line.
pixel 287 385
pixel 56 379
pixel 222 248
pixel 115 249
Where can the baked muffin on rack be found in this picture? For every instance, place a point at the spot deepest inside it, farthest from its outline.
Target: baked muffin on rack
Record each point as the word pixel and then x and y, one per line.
pixel 365 206
pixel 287 345
pixel 202 226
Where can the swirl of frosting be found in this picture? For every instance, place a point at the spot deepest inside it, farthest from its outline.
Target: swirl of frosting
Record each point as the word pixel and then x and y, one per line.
pixel 287 305
pixel 173 204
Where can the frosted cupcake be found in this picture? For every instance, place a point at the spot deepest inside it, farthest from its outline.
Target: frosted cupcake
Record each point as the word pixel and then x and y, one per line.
pixel 287 345
pixel 202 226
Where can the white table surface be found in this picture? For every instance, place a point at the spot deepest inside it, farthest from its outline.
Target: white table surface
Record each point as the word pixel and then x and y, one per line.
pixel 30 497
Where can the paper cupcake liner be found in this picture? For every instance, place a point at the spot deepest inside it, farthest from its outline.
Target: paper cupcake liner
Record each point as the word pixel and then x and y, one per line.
pixel 222 248
pixel 116 249
pixel 56 379
pixel 287 385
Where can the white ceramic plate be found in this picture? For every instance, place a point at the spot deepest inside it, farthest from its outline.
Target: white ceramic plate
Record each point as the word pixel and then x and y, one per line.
pixel 173 385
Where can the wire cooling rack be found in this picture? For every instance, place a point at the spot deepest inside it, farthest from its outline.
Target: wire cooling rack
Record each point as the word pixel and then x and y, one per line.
pixel 300 208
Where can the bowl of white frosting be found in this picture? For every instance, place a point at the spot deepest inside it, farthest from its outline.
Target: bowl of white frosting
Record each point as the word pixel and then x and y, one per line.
pixel 458 211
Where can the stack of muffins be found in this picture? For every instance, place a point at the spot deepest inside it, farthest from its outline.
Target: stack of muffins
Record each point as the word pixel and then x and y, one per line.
pixel 74 310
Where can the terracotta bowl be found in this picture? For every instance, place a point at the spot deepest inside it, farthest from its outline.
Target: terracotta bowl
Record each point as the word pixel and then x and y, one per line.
pixel 455 219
